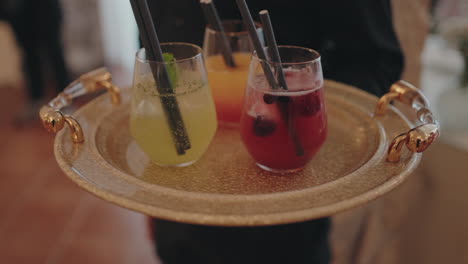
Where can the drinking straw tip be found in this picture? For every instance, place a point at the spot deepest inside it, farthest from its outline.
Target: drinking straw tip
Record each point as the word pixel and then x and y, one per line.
pixel 263 12
pixel 214 21
pixel 153 52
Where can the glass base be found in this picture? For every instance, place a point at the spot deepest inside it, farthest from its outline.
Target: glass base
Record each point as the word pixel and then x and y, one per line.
pixel 177 165
pixel 263 167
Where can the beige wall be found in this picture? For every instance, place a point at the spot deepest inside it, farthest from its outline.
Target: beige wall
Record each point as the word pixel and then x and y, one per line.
pixel 412 21
pixel 82 35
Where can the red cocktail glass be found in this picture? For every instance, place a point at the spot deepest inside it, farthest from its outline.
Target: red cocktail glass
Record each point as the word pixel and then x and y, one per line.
pixel 284 129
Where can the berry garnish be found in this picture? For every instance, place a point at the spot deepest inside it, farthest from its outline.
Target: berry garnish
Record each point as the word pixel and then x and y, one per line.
pixel 269 99
pixel 263 126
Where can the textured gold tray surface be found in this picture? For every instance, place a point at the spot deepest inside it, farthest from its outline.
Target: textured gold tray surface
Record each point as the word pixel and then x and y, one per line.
pixel 225 187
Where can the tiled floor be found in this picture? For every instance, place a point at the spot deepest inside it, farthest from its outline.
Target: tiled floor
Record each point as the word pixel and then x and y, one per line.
pixel 44 217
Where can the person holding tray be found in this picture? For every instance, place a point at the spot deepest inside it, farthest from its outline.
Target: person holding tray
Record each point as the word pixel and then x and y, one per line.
pixel 358 46
pixel 356 39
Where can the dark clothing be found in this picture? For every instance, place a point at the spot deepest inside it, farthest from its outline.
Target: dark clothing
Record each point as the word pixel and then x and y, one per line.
pixel 37 25
pixel 294 243
pixel 355 37
pixel 358 46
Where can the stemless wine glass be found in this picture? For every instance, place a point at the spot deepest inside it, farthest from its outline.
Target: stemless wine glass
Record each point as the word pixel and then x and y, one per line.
pixel 152 111
pixel 284 129
pixel 228 83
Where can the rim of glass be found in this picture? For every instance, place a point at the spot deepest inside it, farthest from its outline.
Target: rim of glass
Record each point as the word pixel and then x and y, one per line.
pixel 197 48
pixel 232 33
pixel 281 92
pixel 316 53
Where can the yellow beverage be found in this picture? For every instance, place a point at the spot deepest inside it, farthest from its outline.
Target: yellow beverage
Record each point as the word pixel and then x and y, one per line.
pixel 149 127
pixel 228 84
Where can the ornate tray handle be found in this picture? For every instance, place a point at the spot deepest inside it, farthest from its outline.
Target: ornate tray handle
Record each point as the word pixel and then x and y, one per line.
pixel 54 120
pixel 419 138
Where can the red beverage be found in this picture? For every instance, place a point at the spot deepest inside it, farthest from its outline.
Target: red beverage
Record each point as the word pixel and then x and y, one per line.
pixel 283 130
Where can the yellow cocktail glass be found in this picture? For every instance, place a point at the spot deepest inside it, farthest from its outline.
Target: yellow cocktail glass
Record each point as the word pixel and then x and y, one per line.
pixel 149 119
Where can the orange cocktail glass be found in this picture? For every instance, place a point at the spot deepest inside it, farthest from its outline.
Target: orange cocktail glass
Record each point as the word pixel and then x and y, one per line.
pixel 228 83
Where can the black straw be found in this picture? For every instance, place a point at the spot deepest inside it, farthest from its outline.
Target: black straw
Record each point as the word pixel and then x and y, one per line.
pixel 272 47
pixel 248 21
pixel 284 106
pixel 163 83
pixel 212 18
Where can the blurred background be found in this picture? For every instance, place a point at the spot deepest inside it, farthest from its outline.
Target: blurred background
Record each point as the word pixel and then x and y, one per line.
pixel 45 218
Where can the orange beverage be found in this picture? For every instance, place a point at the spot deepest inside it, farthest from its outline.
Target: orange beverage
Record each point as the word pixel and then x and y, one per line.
pixel 228 85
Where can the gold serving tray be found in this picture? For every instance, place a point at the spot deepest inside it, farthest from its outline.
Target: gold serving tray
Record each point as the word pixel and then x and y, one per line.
pixel 225 187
